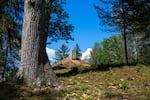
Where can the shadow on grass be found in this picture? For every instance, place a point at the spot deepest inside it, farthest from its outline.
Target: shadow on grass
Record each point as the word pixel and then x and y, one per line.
pixel 84 69
pixel 11 91
pixel 8 91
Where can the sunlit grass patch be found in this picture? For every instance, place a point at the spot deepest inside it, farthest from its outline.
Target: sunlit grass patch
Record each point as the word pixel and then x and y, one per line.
pixel 61 71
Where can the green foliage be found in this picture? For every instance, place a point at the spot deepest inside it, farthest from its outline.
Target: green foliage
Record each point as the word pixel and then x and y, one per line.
pixel 84 87
pixel 61 53
pixel 10 38
pixel 2 56
pixel 78 51
pixel 61 71
pixel 132 19
pixel 143 56
pixel 82 69
pixel 109 93
pixel 58 26
pixel 146 74
pixel 108 73
pixel 110 51
pixel 139 67
pixel 12 73
pixel 95 54
pixel 123 85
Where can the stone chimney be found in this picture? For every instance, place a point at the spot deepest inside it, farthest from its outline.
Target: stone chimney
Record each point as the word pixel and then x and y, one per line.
pixel 73 55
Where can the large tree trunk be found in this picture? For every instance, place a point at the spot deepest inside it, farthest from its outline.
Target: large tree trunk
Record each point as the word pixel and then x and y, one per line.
pixel 35 69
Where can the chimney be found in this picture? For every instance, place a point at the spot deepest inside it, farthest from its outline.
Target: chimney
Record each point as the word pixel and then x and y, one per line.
pixel 72 55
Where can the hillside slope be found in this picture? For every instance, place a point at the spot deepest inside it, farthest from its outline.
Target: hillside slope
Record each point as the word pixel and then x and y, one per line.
pixel 125 83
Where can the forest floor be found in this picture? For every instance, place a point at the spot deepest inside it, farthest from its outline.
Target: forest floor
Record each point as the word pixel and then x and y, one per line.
pixel 122 83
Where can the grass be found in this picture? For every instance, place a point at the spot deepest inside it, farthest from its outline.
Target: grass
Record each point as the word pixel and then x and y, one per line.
pixel 128 82
pixel 139 67
pixel 61 71
pixel 84 87
pixel 109 93
pixel 123 85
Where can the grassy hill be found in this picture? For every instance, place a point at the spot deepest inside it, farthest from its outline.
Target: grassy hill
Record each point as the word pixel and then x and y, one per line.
pixel 82 83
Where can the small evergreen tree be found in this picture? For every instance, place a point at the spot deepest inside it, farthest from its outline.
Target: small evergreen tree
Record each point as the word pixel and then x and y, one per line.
pixel 78 51
pixel 61 53
pixel 95 53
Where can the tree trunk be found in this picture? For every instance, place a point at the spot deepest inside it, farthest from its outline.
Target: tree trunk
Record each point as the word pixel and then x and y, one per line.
pixel 124 33
pixel 35 69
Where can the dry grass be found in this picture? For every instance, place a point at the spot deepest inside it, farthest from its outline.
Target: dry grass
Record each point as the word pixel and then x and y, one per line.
pixel 126 83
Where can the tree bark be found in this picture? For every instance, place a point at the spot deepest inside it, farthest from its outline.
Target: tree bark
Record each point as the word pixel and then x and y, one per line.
pixel 35 69
pixel 124 33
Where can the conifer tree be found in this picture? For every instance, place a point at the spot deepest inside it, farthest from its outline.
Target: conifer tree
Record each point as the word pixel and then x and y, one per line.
pixel 78 51
pixel 61 53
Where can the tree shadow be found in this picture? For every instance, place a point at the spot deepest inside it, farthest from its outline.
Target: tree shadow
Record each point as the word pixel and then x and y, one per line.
pixel 76 70
pixel 106 67
pixel 12 91
pixel 8 91
pixel 72 72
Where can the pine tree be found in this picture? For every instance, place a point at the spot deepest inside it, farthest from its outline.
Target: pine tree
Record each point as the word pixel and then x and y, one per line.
pixel 78 51
pixel 61 53
pixel 57 26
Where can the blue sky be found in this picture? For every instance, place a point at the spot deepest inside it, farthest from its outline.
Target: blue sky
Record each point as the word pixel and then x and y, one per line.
pixel 87 30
